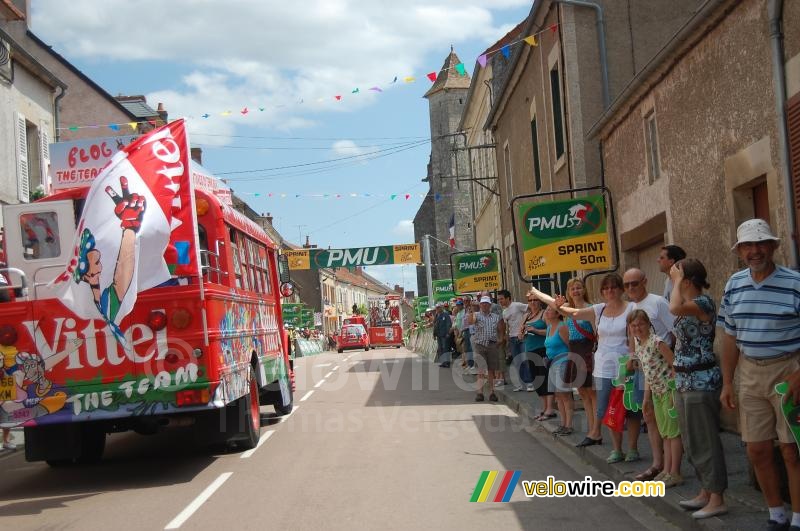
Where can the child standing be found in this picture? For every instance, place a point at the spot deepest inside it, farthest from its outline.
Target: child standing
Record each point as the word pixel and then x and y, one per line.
pixel 655 359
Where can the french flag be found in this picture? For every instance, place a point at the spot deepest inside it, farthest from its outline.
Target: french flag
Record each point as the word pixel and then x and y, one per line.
pixel 452 228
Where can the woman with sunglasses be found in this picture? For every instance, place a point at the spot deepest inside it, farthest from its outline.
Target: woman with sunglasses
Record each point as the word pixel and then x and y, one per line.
pixel 535 351
pixel 612 343
pixel 582 342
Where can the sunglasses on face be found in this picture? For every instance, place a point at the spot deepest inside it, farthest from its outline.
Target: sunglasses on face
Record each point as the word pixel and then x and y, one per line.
pixel 632 284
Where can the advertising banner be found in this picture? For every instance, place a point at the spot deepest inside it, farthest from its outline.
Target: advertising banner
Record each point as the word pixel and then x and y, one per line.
pixel 443 290
pixel 359 256
pixel 478 271
pixel 564 235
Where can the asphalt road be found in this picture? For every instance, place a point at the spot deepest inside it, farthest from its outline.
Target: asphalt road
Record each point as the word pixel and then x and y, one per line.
pixel 378 440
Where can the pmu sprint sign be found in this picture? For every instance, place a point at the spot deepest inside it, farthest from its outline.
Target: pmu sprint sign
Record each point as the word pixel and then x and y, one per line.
pixel 564 235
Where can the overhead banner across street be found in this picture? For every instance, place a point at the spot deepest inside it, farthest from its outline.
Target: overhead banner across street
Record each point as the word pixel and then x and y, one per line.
pixel 564 235
pixel 359 256
pixel 475 271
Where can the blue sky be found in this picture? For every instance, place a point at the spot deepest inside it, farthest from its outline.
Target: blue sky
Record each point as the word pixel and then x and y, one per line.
pixel 203 56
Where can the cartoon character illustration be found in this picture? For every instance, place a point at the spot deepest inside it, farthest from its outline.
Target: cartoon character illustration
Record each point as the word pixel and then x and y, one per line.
pixel 129 208
pixel 790 410
pixel 33 394
pixel 627 380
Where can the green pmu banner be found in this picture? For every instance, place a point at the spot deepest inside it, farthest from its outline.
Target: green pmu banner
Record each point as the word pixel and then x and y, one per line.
pixel 564 235
pixel 443 290
pixel 473 272
pixel 358 256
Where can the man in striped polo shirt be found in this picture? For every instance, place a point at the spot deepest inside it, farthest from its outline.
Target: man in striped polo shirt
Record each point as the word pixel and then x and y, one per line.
pixel 760 315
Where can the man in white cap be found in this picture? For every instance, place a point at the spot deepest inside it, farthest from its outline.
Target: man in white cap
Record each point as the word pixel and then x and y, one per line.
pixel 760 315
pixel 486 341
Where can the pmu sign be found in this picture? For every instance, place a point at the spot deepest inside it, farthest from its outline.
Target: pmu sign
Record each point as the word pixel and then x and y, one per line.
pixel 564 235
pixel 359 256
pixel 476 271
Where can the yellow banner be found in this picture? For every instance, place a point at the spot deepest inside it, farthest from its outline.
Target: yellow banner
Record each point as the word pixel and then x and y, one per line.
pixel 406 254
pixel 298 259
pixel 486 282
pixel 586 252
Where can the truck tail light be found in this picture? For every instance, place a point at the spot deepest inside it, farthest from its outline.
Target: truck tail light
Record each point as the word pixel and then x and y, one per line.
pixel 191 397
pixel 180 318
pixel 157 320
pixel 8 335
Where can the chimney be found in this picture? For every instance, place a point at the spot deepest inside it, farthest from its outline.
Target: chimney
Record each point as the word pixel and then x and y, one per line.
pixel 269 217
pixel 197 155
pixel 162 112
pixel 307 245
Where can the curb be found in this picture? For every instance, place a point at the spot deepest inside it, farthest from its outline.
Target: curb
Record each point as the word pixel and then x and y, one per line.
pixel 666 506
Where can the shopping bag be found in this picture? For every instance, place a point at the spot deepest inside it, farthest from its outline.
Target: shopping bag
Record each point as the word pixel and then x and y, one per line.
pixel 615 414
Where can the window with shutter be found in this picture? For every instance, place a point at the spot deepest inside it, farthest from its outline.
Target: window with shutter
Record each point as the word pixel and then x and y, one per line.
pixel 44 153
pixel 21 138
pixel 793 122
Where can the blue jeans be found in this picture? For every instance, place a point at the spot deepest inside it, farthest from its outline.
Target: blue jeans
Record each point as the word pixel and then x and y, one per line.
pixel 465 334
pixel 603 387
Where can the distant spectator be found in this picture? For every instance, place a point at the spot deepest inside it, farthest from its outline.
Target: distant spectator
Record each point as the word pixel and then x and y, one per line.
pixel 514 317
pixel 442 325
pixel 487 344
pixel 669 255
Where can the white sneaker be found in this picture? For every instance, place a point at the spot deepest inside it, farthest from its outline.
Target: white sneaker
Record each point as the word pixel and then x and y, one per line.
pixel 531 388
pixel 473 371
pixel 518 388
pixel 9 446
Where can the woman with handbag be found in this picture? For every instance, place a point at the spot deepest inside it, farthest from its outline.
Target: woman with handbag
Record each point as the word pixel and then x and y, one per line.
pixel 557 345
pixel 582 343
pixel 698 382
pixel 612 343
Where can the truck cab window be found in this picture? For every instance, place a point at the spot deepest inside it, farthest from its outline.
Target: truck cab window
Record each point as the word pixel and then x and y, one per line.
pixel 40 238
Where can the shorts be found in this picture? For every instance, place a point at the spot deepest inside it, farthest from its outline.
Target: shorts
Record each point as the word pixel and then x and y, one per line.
pixel 577 375
pixel 760 413
pixel 668 427
pixel 490 355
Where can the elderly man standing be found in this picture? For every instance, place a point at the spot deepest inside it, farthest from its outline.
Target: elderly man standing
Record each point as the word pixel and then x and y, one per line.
pixel 760 314
pixel 487 344
pixel 442 324
pixel 657 309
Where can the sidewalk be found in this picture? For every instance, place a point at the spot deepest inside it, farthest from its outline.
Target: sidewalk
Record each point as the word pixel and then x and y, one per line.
pixel 745 503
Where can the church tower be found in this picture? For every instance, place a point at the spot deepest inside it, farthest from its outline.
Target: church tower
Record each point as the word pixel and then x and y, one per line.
pixel 447 199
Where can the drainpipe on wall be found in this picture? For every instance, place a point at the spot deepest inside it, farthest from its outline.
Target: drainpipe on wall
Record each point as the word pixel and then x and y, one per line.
pixel 55 111
pixel 601 43
pixel 775 14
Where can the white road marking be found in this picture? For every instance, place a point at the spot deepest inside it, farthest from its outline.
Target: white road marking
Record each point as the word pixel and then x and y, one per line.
pixel 261 441
pixel 334 368
pixel 319 383
pixel 305 396
pixel 197 502
pixel 328 375
pixel 324 365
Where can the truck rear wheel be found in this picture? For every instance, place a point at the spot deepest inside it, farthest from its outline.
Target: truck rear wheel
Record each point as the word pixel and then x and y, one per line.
pixel 93 444
pixel 281 409
pixel 248 416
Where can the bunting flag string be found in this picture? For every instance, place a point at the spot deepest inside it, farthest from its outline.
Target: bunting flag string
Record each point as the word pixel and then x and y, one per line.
pixel 405 196
pixel 459 69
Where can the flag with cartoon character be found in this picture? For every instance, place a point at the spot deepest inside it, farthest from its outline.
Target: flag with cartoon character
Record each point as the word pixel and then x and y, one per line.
pixel 136 230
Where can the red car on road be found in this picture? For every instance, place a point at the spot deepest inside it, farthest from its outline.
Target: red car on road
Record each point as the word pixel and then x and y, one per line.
pixel 352 336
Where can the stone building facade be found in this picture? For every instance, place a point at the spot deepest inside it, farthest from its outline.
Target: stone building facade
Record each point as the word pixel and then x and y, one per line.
pixel 692 147
pixel 447 197
pixel 552 93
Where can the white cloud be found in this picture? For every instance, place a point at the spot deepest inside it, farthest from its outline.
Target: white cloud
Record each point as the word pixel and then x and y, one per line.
pixel 347 148
pixel 404 230
pixel 269 54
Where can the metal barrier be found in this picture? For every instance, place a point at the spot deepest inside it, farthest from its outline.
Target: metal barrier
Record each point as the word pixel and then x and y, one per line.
pixel 309 347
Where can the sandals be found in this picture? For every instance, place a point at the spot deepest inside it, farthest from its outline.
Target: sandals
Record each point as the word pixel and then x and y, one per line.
pixel 631 456
pixel 562 430
pixel 542 416
pixel 614 457
pixel 588 441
